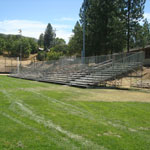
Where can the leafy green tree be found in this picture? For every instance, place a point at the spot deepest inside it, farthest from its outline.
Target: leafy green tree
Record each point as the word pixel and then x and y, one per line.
pixel 16 44
pixel 2 46
pixel 33 45
pixel 25 48
pixel 59 41
pixel 49 37
pixel 9 46
pixel 21 48
pixel 60 46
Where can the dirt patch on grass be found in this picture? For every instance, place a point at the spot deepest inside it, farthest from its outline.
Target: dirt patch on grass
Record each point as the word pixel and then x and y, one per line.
pixel 4 74
pixel 111 95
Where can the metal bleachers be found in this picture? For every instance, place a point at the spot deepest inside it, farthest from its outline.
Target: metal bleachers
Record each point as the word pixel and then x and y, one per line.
pixel 94 71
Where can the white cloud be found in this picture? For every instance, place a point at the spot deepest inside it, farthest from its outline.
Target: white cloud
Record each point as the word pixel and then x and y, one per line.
pixel 33 28
pixel 64 34
pixel 66 19
pixel 61 26
pixel 29 28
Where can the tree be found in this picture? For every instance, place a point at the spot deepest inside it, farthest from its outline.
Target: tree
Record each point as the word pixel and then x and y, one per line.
pixel 60 46
pixel 33 45
pixel 133 12
pixel 109 24
pixel 59 41
pixel 41 40
pixel 2 45
pixel 49 37
pixel 146 33
pixel 75 42
pixel 21 48
pixel 142 35
pixel 9 46
pixel 25 48
pixel 14 44
pixel 104 26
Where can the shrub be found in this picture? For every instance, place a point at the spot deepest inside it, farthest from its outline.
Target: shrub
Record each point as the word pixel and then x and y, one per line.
pixel 54 55
pixel 41 56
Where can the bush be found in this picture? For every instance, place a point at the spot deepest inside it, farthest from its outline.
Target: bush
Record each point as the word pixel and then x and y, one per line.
pixel 54 55
pixel 41 56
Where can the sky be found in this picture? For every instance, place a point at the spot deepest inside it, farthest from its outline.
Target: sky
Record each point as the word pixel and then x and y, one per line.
pixel 32 16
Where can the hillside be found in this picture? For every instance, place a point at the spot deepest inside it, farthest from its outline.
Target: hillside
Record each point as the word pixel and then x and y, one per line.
pixel 7 64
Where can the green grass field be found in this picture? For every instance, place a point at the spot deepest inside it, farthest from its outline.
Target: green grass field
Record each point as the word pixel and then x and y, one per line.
pixel 41 116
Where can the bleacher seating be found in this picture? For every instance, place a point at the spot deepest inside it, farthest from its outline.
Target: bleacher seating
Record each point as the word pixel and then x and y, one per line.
pixel 75 73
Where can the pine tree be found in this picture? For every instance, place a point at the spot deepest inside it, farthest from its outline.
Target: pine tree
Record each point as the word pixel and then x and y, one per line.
pixel 104 27
pixel 110 25
pixel 133 13
pixel 142 37
pixel 41 40
pixel 48 37
pixel 75 43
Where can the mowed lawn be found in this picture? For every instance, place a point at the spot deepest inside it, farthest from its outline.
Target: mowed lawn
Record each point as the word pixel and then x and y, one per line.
pixel 42 116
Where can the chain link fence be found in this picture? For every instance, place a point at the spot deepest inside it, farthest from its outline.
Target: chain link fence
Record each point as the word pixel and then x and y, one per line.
pixel 70 65
pixel 8 64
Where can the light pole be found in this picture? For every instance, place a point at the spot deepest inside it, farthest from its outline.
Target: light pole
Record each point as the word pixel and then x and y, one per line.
pixel 20 32
pixel 83 51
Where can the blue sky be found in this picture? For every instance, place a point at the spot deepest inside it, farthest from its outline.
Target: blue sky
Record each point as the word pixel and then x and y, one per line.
pixel 32 16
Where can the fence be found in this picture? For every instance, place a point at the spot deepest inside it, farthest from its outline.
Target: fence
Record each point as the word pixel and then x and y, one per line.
pixel 8 64
pixel 69 64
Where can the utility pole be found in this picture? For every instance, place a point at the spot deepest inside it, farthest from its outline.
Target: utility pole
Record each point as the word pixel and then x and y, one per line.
pixel 83 51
